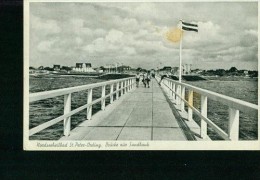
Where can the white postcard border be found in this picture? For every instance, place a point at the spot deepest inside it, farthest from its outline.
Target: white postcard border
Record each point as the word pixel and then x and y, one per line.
pixel 111 145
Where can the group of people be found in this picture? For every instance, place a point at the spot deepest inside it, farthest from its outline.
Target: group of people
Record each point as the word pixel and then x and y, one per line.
pixel 146 78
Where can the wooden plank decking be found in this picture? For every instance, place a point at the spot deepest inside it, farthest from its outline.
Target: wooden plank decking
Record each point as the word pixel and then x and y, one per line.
pixel 141 114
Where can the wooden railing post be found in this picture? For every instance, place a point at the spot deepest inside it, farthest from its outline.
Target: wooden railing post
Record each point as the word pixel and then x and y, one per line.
pixel 111 93
pixel 103 94
pixel 178 93
pixel 117 88
pixel 204 109
pixel 183 97
pixel 233 127
pixel 166 86
pixel 67 109
pixel 122 88
pixel 89 109
pixel 128 88
pixel 129 84
pixel 190 101
pixel 173 92
pixel 169 88
pixel 125 86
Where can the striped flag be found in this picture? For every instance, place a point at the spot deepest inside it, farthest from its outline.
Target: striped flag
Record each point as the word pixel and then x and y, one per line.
pixel 189 27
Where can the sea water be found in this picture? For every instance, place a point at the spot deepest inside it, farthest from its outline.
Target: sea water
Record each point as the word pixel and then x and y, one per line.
pixel 240 88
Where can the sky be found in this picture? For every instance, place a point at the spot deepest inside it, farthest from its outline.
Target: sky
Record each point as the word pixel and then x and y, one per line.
pixel 134 34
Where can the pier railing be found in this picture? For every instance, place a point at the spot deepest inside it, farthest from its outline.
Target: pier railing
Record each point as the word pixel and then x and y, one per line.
pixel 177 91
pixel 122 87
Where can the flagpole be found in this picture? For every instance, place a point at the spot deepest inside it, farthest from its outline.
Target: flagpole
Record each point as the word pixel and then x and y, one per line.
pixel 180 68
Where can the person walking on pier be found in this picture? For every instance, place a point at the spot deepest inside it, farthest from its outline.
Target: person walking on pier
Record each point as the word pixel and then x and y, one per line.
pixel 137 79
pixel 148 79
pixel 162 77
pixel 144 79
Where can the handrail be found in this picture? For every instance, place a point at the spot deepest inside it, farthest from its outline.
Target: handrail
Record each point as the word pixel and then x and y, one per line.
pixel 229 101
pixel 212 124
pixel 177 91
pixel 127 84
pixel 59 92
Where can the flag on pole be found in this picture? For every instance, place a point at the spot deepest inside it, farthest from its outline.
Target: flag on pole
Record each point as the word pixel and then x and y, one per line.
pixel 189 26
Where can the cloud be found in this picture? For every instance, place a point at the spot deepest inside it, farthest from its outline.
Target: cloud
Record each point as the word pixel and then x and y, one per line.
pixel 44 26
pixel 209 33
pixel 129 50
pixel 45 46
pixel 114 36
pixel 99 32
pixel 134 33
pixel 78 40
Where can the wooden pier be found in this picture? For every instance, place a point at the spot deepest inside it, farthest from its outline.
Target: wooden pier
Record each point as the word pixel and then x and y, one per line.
pixel 142 114
pixel 154 114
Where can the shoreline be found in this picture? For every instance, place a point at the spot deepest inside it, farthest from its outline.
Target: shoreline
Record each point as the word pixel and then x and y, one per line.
pixel 117 76
pixel 230 78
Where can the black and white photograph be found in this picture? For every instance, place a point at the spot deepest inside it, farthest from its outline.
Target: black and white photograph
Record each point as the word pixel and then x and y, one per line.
pixel 141 75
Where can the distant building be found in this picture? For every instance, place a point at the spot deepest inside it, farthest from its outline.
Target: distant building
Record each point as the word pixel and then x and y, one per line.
pixel 32 71
pixel 175 70
pixel 246 73
pixel 186 69
pixel 79 65
pixel 107 69
pixel 56 67
pixel 114 69
pixel 196 71
pixel 88 65
pixel 123 68
pixel 166 69
pixel 83 67
pixel 99 70
pixel 66 68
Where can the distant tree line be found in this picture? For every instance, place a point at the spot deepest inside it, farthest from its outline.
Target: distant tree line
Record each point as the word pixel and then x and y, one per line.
pixel 64 68
pixel 233 71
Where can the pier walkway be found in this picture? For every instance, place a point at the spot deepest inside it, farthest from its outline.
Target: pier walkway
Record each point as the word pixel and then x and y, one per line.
pixel 156 113
pixel 142 114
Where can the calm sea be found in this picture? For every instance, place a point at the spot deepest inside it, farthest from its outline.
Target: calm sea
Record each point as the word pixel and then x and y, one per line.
pixel 45 110
pixel 241 88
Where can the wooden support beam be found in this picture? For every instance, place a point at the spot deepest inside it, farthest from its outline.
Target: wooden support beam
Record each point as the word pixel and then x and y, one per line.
pixel 103 101
pixel 67 109
pixel 190 101
pixel 111 92
pixel 117 88
pixel 233 128
pixel 173 92
pixel 122 88
pixel 204 110
pixel 89 109
pixel 182 97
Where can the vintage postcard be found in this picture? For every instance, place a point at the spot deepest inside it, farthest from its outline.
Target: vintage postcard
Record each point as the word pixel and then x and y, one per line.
pixel 111 75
